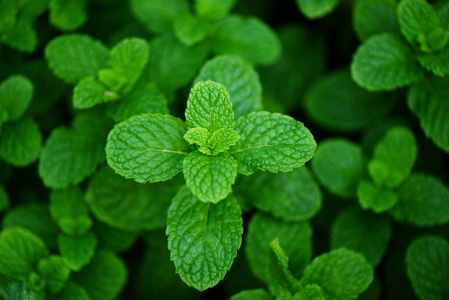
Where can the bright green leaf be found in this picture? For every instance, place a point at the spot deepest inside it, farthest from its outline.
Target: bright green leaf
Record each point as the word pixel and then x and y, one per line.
pixel 22 36
pixel 316 8
pixel 16 93
pixel 310 292
pixel 375 198
pixel 88 93
pixel 113 81
pixel 213 9
pixel 222 139
pixel 437 63
pixel 68 15
pixel 190 29
pixel 54 271
pixel 199 136
pixel 77 251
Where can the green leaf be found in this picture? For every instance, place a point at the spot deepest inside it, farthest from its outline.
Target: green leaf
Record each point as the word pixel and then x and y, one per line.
pixel 54 272
pixel 364 232
pixel 17 290
pixel 429 101
pixel 340 176
pixel 239 78
pixel 199 136
pixel 114 81
pixel 437 63
pixel 342 274
pixel 75 56
pixel 157 15
pixel 4 199
pixel 385 62
pixel 316 8
pixel 273 142
pixel 256 294
pixel 77 251
pixel 22 36
pixel 421 25
pixel 128 205
pixel 68 15
pixel 72 291
pixel 88 93
pixel 427 261
pixel 190 29
pixel 68 209
pixel 372 17
pixel 423 201
pixel 114 239
pixel 146 98
pixel 310 292
pixel 329 94
pixel 213 9
pixel 16 93
pixel 72 154
pixel 20 142
pixel 375 198
pixel 20 250
pixel 222 139
pixel 394 157
pixel 210 178
pixel 209 106
pixel 248 37
pixel 8 14
pixel 203 238
pixel 291 196
pixel 104 277
pixel 294 237
pixel 148 147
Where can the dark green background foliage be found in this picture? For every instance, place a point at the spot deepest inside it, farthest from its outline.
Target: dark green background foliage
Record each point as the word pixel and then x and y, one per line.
pixel 312 137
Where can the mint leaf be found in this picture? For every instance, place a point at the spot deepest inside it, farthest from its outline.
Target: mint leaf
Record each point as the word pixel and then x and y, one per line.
pixel 437 63
pixel 213 9
pixel 77 251
pixel 114 81
pixel 298 196
pixel 75 56
pixel 364 232
pixel 342 274
pixel 316 8
pixel 330 93
pixel 421 25
pixel 4 199
pixel 157 15
pixel 72 154
pixel 375 198
pixel 190 29
pixel 310 292
pixel 20 250
pixel 372 17
pixel 427 261
pixel 71 291
pixel 104 277
pixel 20 142
pixel 54 271
pixel 16 93
pixel 385 62
pixel 128 205
pixel 146 98
pixel 88 93
pixel 248 37
pixel 209 177
pixel 429 101
pixel 394 157
pixel 273 142
pixel 199 136
pixel 423 201
pixel 17 290
pixel 239 78
pixel 222 139
pixel 256 294
pixel 294 237
pixel 8 14
pixel 22 36
pixel 68 209
pixel 148 147
pixel 340 176
pixel 209 106
pixel 201 245
pixel 68 15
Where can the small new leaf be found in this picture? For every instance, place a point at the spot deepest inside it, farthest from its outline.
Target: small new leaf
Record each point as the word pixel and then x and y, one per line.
pixel 375 198
pixel 199 136
pixel 316 8
pixel 222 139
pixel 54 271
pixel 16 93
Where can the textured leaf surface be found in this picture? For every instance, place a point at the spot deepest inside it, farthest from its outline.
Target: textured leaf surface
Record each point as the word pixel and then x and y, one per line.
pixel 372 17
pixel 337 103
pixel 104 277
pixel 222 140
pixel 128 205
pixel 72 154
pixel 148 147
pixel 213 9
pixel 203 238
pixel 384 62
pixel 88 93
pixel 376 198
pixel 209 106
pixel 68 15
pixel 429 101
pixel 20 250
pixel 190 29
pixel 427 261
pixel 316 8
pixel 250 38
pixel 256 294
pixel 437 63
pixel 273 142
pixel 15 96
pixel 70 212
pixel 343 274
pixel 199 136
pixel 340 176
pixel 20 142
pixel 17 290
pixel 291 196
pixel 394 157
pixel 239 78
pixel 310 292
pixel 77 251
pixel 364 232
pixel 423 201
pixel 294 237
pixel 75 56
pixel 54 272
